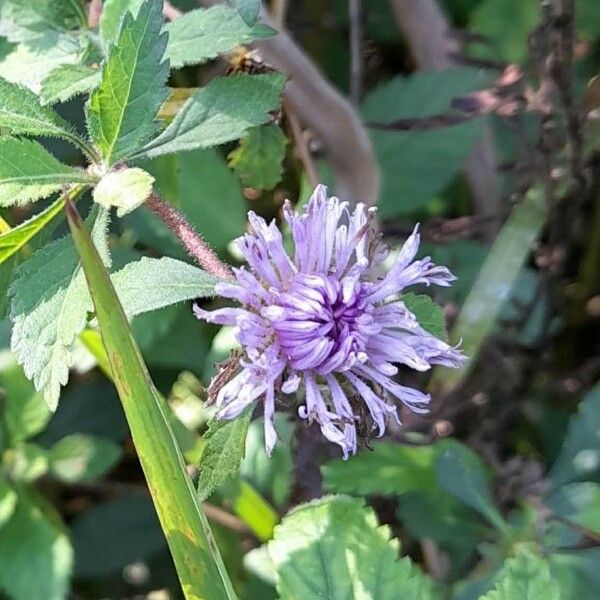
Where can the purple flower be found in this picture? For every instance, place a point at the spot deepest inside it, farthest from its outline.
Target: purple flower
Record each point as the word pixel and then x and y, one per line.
pixel 327 322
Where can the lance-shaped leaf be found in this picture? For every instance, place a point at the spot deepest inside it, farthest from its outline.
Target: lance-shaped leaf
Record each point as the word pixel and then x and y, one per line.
pixel 14 239
pixel 195 554
pixel 335 548
pixel 204 33
pixel 67 82
pixel 152 283
pixel 28 172
pixel 22 114
pixel 121 113
pixel 216 114
pixel 49 309
pixel 113 12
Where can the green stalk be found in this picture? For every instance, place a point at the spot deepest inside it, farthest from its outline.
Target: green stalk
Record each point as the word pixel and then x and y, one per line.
pixel 199 565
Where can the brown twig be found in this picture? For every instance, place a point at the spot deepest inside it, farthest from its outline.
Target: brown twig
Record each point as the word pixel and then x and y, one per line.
pixel 191 240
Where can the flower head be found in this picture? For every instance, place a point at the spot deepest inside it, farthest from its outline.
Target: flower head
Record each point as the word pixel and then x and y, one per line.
pixel 327 322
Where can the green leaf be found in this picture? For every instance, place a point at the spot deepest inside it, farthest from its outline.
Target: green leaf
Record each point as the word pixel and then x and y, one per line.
pixel 462 473
pixel 28 172
pixel 222 451
pixel 26 462
pixel 495 282
pixel 35 552
pixel 579 503
pixel 82 458
pixel 429 314
pixel 248 10
pixel 215 115
pixel 526 577
pixel 22 114
pixel 389 469
pixel 113 12
pixel 202 34
pixel 121 113
pixel 69 81
pixel 415 165
pixel 195 554
pixel 125 190
pixel 577 574
pixel 334 548
pixel 25 412
pixel 153 283
pixel 579 457
pixel 8 501
pixel 259 157
pixel 49 309
pixel 200 184
pixel 12 241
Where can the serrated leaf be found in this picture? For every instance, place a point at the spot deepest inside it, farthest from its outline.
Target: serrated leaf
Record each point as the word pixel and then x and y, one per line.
pixel 258 159
pixel 152 283
pixel 82 458
pixel 335 548
pixel 113 12
pixel 12 241
pixel 69 81
pixel 429 314
pixel 579 457
pixel 22 114
pixel 526 577
pixel 579 503
pixel 462 473
pixel 49 309
pixel 222 451
pixel 216 114
pixel 204 33
pixel 34 541
pixel 125 190
pixel 121 112
pixel 28 172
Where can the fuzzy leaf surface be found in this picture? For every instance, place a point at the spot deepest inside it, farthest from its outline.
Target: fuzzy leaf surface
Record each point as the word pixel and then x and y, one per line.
pixel 121 112
pixel 67 82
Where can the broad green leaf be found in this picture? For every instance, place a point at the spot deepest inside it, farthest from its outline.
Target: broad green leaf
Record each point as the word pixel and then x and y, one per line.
pixel 577 574
pixel 125 190
pixel 25 412
pixel 8 501
pixel 49 309
pixel 215 115
pixel 429 314
pixel 415 165
pixel 121 113
pixel 69 81
pixel 259 157
pixel 113 12
pixel 35 552
pixel 579 456
pixel 22 114
pixel 153 283
pixel 462 473
pixel 28 172
pixel 494 283
pixel 111 535
pixel 222 451
pixel 334 548
pixel 249 10
pixel 12 241
pixel 202 34
pixel 197 559
pixel 200 184
pixel 82 458
pixel 526 577
pixel 389 469
pixel 26 462
pixel 579 503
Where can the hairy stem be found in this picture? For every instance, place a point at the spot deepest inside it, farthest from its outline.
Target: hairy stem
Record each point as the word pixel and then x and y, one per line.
pixel 191 240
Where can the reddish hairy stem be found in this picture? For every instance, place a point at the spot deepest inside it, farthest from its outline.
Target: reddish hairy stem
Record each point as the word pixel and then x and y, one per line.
pixel 191 240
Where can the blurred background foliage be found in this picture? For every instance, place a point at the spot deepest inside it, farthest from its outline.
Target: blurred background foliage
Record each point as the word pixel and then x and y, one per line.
pixel 507 464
